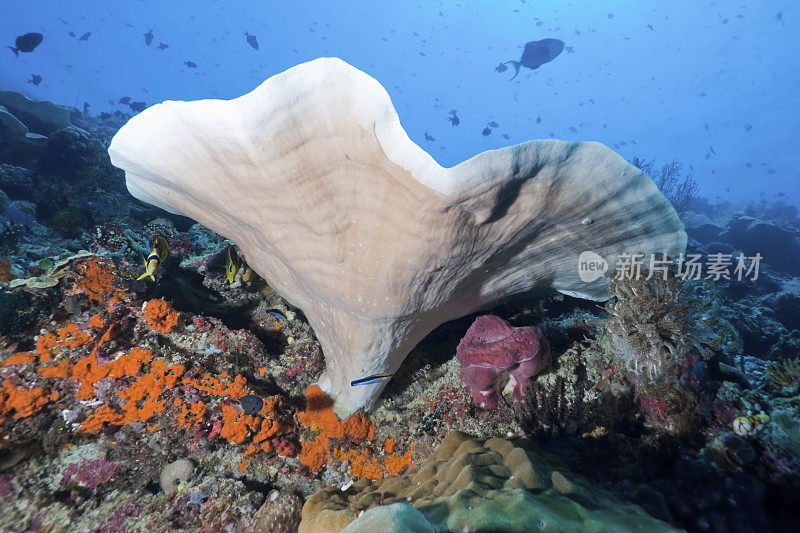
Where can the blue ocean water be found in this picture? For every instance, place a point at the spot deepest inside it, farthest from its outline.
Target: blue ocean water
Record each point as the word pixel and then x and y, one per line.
pixel 656 80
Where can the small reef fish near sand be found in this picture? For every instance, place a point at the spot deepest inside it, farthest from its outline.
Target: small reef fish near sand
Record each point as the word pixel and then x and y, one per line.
pixel 152 265
pixel 369 380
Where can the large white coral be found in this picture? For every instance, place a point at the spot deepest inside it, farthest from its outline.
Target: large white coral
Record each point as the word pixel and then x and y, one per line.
pixel 313 176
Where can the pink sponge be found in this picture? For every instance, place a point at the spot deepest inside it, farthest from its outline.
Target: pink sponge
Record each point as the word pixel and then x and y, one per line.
pixel 492 349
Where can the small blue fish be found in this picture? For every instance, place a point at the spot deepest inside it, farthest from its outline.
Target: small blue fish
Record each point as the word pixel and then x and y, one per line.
pixel 369 380
pixel 277 314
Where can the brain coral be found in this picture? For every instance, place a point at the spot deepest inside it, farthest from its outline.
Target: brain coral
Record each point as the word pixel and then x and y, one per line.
pixel 313 177
pixel 476 485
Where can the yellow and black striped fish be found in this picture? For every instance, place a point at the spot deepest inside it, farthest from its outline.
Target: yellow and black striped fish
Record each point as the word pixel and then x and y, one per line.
pixel 154 261
pixel 232 266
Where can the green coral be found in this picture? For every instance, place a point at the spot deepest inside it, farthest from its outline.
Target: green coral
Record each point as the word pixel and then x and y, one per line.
pixel 484 485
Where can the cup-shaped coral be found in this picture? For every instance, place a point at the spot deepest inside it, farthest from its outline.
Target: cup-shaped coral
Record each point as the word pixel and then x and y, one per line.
pixel 493 349
pixel 313 177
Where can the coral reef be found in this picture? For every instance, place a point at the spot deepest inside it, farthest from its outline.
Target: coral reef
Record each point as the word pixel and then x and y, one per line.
pixel 679 190
pixel 178 471
pixel 497 225
pixel 106 381
pixel 492 349
pixel 496 485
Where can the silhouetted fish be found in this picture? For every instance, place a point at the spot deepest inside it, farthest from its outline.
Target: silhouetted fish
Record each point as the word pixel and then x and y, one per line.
pixel 501 67
pixel 251 40
pixel 538 120
pixel 26 43
pixel 453 118
pixel 125 100
pixel 148 37
pixel 190 64
pixel 537 53
pixel 71 33
pixel 163 46
pixel 251 404
pixel 486 131
pixel 429 137
pixel 85 36
pixel 137 106
pixel 505 136
pixel 493 124
pixel 35 79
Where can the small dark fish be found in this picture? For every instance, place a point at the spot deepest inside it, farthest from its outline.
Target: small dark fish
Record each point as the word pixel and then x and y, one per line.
pixel 251 404
pixel 748 127
pixel 501 67
pixel 711 149
pixel 125 100
pixel 570 50
pixel 453 118
pixel 505 136
pixel 71 34
pixel 486 131
pixel 650 27
pixel 429 137
pixel 163 46
pixel 148 37
pixel 190 64
pixel 119 114
pixel 251 40
pixel 35 79
pixel 611 15
pixel 104 115
pixel 85 36
pixel 494 124
pixel 749 165
pixel 537 53
pixel 369 380
pixel 26 43
pixel 572 129
pixel 538 120
pixel 137 106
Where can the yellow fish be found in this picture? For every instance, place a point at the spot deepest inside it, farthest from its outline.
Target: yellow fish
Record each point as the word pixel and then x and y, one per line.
pixel 152 265
pixel 232 266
